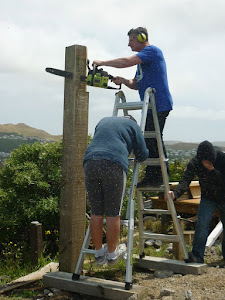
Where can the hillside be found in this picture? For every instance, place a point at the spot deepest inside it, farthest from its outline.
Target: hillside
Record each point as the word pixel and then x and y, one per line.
pixel 25 130
pixel 190 146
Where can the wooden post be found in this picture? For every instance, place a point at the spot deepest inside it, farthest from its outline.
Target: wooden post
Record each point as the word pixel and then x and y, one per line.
pixel 75 135
pixel 177 249
pixel 36 242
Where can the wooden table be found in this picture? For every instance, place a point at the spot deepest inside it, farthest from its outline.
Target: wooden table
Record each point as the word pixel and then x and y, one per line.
pixel 189 206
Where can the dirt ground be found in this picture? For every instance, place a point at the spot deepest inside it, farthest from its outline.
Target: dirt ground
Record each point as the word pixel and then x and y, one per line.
pixel 208 286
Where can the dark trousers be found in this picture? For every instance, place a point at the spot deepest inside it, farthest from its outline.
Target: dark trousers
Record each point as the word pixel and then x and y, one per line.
pixel 153 173
pixel 206 210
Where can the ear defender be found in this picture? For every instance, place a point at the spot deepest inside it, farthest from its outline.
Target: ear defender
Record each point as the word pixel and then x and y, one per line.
pixel 141 37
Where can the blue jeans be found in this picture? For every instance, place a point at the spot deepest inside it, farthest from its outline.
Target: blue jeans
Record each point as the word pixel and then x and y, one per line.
pixel 206 210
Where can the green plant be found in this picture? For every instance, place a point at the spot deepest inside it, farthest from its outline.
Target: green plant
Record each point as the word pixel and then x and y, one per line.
pixel 30 183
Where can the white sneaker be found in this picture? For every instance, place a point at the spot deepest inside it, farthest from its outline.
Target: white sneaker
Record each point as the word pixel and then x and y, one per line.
pixel 121 253
pixel 101 260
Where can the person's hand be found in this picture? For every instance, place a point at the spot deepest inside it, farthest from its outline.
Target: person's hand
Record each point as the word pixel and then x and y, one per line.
pixel 97 63
pixel 171 193
pixel 118 80
pixel 208 165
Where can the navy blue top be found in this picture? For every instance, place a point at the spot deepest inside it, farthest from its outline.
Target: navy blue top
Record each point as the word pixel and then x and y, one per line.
pixel 114 139
pixel 152 73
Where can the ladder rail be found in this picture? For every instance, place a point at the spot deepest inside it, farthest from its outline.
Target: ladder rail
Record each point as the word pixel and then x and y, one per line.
pixel 85 245
pixel 170 202
pixel 130 208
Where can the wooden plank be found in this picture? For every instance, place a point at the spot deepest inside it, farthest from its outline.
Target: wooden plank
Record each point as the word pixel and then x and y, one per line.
pixel 94 287
pixel 75 134
pixel 189 206
pixel 176 266
pixel 177 250
pixel 214 234
pixel 35 276
pixel 195 191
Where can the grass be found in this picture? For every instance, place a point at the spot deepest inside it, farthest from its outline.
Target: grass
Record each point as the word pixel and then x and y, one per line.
pixel 11 269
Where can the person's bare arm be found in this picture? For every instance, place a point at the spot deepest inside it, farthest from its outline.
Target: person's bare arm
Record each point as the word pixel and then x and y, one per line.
pixel 131 83
pixel 123 62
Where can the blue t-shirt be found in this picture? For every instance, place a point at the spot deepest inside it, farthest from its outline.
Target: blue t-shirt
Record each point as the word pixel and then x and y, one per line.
pixel 152 73
pixel 114 139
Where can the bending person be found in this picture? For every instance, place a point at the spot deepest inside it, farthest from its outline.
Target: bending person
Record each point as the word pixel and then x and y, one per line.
pixel 209 166
pixel 105 167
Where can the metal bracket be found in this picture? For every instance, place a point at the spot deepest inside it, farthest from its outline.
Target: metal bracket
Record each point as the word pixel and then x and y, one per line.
pixel 65 74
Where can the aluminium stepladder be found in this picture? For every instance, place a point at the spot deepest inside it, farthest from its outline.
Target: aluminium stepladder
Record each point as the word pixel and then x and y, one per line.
pixel 162 162
pixel 120 103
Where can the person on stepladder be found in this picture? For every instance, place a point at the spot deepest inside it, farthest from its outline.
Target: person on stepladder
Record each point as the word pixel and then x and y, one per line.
pixel 151 72
pixel 105 167
pixel 209 166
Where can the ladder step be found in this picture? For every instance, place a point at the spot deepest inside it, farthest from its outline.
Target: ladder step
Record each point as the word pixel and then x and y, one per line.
pixel 156 211
pixel 122 222
pixel 130 105
pixel 153 188
pixel 88 251
pixel 151 162
pixel 157 236
pixel 149 134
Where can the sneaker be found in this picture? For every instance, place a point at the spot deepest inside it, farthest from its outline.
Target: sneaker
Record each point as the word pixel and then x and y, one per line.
pixel 121 253
pixel 101 260
pixel 191 258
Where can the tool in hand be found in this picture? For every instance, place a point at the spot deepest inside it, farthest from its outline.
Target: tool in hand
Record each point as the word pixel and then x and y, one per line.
pixel 98 78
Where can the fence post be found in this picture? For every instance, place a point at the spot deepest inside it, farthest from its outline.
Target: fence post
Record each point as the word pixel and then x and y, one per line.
pixel 36 242
pixel 75 135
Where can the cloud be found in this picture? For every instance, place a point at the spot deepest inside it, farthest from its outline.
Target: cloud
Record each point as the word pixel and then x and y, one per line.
pixel 195 113
pixel 34 35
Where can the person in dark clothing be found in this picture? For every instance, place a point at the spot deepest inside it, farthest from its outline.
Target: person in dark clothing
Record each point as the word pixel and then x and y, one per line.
pixel 209 166
pixel 105 167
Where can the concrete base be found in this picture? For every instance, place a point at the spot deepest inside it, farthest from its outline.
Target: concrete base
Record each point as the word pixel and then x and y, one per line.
pixel 176 266
pixel 91 286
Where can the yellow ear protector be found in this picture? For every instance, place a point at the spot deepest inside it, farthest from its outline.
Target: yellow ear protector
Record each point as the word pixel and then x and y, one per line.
pixel 141 37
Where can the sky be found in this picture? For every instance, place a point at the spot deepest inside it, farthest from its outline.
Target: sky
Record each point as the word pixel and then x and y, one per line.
pixel 191 34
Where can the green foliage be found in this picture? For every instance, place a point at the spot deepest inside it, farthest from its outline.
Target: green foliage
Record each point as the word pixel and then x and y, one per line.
pixel 30 190
pixel 176 170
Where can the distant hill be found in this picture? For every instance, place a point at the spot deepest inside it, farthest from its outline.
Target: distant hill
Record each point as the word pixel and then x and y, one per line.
pixel 190 146
pixel 25 130
pixel 181 146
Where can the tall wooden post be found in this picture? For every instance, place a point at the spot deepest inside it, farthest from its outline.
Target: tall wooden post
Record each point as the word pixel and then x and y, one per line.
pixel 75 134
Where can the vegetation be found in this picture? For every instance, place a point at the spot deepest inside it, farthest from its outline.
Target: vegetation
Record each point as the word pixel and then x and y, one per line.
pixel 30 191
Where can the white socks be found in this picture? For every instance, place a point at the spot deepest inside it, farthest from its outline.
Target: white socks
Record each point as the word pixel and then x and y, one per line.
pixel 112 255
pixel 99 252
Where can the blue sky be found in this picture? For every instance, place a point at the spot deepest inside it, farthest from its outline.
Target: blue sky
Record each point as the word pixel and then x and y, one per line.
pixel 191 34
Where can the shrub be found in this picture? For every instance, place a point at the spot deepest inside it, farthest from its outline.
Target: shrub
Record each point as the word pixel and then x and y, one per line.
pixel 30 190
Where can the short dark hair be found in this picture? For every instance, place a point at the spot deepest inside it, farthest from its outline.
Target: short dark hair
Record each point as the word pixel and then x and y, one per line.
pixel 137 31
